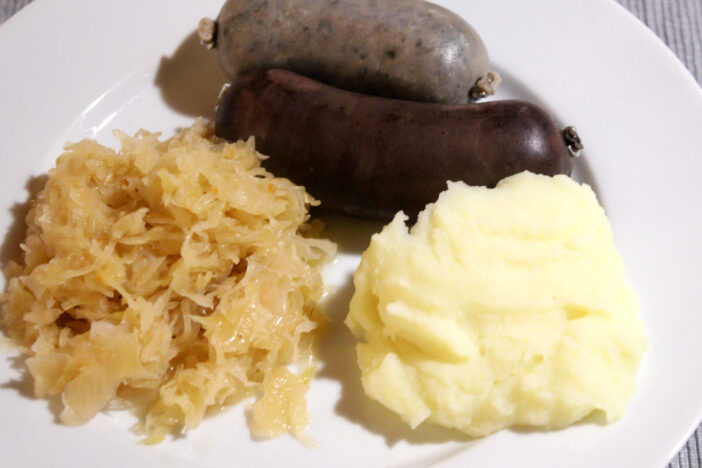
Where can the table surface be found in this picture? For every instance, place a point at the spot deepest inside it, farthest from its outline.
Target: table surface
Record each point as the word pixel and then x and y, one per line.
pixel 679 24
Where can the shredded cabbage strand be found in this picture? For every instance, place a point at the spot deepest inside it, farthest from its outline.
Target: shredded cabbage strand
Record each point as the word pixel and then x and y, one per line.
pixel 172 274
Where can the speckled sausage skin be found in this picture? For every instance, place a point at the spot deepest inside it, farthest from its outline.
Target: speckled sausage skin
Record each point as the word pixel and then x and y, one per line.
pixel 370 157
pixel 405 49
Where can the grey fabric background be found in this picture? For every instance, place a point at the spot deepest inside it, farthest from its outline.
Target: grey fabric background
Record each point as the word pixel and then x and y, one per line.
pixel 679 24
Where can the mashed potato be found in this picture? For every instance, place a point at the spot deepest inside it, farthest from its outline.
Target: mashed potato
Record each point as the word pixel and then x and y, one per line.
pixel 172 274
pixel 500 307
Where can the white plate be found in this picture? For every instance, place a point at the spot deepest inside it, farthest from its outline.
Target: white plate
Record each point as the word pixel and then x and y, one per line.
pixel 71 69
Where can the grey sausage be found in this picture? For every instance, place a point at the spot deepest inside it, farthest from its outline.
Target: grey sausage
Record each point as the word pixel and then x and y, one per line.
pixel 404 49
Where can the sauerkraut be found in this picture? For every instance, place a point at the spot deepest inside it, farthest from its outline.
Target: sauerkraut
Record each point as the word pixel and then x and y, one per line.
pixel 174 274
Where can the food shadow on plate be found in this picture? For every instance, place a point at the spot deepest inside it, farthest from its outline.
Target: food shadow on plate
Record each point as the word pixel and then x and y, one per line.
pixel 24 386
pixel 596 418
pixel 583 173
pixel 337 350
pixel 351 235
pixel 10 249
pixel 190 79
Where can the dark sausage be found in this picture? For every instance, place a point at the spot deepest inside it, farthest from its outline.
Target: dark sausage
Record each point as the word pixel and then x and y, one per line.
pixel 371 157
pixel 405 49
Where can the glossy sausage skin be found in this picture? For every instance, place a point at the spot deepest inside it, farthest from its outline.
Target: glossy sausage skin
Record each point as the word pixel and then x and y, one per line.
pixel 405 49
pixel 371 157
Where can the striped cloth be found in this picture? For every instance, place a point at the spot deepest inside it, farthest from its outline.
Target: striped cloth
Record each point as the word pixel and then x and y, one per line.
pixel 679 24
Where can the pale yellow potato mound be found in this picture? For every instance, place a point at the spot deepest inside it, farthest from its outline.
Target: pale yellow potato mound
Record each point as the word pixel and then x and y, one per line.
pixel 501 307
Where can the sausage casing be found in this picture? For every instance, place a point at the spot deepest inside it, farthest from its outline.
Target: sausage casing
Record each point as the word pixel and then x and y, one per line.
pixel 371 157
pixel 405 49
